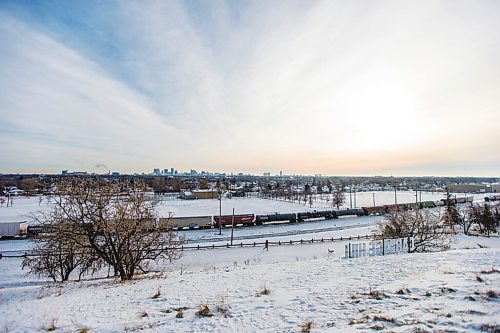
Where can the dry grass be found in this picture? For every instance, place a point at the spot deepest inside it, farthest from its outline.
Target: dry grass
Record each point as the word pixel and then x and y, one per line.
pixel 158 293
pixel 183 308
pixel 204 311
pixel 479 279
pixel 355 321
pixel 384 318
pixel 491 271
pixel 377 294
pixel 493 328
pixel 84 330
pixel 223 307
pixel 264 291
pixel 491 294
pixel 403 291
pixel 52 325
pixel 447 290
pixel 306 326
pixel 180 314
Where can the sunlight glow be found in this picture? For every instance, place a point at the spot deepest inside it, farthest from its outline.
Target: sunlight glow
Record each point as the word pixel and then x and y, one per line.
pixel 382 117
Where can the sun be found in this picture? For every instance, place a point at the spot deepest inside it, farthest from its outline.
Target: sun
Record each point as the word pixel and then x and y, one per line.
pixel 382 117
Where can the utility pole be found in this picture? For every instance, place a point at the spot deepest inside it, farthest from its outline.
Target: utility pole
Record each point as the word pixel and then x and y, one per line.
pixel 350 196
pixel 232 228
pixel 373 199
pixel 355 198
pixel 220 212
pixel 395 194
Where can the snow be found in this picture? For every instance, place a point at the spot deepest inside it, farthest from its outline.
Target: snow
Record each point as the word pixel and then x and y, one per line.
pixel 430 291
pixel 23 206
pixel 306 283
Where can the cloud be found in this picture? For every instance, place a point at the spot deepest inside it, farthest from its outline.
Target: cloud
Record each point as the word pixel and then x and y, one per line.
pixel 309 87
pixel 57 102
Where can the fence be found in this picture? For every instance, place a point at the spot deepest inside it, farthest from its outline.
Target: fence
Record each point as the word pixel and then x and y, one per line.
pixel 379 247
pixel 27 253
pixel 386 247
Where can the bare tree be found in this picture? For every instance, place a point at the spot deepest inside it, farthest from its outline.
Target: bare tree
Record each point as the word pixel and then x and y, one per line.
pixel 338 198
pixel 422 225
pixel 120 230
pixel 57 257
pixel 466 218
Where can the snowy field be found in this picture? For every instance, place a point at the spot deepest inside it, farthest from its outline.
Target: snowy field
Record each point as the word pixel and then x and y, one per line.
pixel 444 291
pixel 22 206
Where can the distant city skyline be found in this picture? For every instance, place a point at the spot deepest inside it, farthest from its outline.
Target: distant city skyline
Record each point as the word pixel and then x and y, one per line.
pixel 304 87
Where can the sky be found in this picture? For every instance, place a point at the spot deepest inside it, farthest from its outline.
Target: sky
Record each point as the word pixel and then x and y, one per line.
pixel 304 87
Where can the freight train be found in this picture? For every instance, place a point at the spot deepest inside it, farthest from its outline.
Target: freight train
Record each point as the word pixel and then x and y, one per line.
pixel 209 221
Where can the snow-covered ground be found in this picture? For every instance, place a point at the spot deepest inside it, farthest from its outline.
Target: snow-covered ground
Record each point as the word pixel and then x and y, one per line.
pixel 22 206
pixel 449 290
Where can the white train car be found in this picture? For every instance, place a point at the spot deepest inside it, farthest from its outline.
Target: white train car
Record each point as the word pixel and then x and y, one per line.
pixel 13 229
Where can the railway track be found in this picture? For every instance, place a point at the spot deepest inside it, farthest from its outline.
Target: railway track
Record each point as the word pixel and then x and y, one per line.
pixel 276 234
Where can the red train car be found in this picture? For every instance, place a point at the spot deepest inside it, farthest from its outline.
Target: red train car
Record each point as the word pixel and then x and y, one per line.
pixel 227 220
pixel 376 210
pixel 395 207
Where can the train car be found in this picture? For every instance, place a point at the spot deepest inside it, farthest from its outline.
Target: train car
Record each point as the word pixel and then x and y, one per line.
pixel 326 214
pixel 350 212
pixel 428 204
pixel 375 210
pixel 439 203
pixel 190 222
pixel 12 229
pixel 277 217
pixel 395 207
pixel 34 230
pixel 413 205
pixel 492 198
pixel 302 216
pixel 227 220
